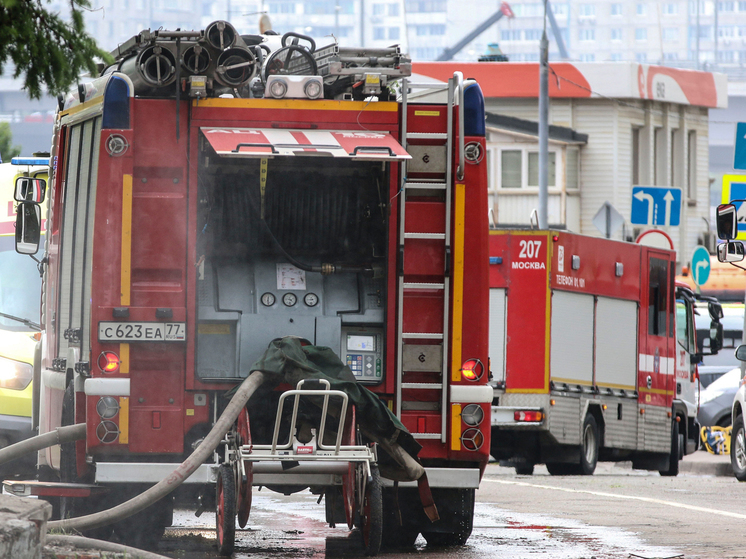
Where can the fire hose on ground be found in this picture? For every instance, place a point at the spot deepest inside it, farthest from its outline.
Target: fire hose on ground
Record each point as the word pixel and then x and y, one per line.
pixel 159 490
pixel 79 542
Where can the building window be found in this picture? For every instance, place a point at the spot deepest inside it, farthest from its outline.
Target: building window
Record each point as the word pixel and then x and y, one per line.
pixel 670 33
pixel 430 29
pixel 533 34
pixel 587 10
pixel 742 6
pixel 425 6
pixel 379 33
pixel 616 9
pixel 533 168
pixel 393 33
pixel 511 169
pixel 670 9
pixel 379 9
pixel 510 35
pixel 615 56
pixel 572 168
pixel 641 9
pixel 659 157
pixel 393 10
pixel 635 156
pixel 671 56
pixel 641 34
pixel 727 31
pixel 587 35
pixel 282 8
pixel 726 6
pixel 691 176
pixel 559 9
pixel 616 34
pixel 726 56
pixel 587 57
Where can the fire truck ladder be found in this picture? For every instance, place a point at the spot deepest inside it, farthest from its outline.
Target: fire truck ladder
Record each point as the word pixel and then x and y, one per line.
pixel 412 191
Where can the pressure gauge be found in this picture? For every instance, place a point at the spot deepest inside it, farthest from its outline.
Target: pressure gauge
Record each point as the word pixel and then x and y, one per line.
pixel 311 299
pixel 289 299
pixel 268 299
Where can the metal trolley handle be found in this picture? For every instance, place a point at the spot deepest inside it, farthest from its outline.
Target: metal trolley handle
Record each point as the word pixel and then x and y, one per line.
pixel 298 392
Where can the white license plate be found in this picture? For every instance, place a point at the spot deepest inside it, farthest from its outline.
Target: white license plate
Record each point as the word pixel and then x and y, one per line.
pixel 142 331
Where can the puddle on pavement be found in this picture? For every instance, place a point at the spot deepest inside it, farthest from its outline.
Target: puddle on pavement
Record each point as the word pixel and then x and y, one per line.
pixel 295 528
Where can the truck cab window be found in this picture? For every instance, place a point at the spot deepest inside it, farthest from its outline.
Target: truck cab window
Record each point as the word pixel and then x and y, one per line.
pixel 658 297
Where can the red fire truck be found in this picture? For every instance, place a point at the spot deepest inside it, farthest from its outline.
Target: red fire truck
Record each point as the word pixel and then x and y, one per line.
pixel 593 353
pixel 213 192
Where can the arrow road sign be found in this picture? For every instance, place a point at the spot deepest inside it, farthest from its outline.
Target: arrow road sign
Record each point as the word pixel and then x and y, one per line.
pixel 739 153
pixel 656 205
pixel 700 265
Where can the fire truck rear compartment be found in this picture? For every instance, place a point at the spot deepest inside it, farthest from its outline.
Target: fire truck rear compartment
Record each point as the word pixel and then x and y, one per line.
pixel 253 240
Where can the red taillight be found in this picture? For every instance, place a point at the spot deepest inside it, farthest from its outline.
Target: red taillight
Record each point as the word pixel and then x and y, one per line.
pixel 528 416
pixel 108 362
pixel 555 238
pixel 472 369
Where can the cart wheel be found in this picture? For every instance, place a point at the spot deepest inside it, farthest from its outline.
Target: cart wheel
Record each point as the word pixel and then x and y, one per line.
pixel 244 494
pixel 371 518
pixel 348 481
pixel 244 485
pixel 226 510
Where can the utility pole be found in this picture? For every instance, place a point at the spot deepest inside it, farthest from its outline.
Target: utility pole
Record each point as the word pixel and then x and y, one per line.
pixel 362 23
pixel 543 124
pixel 697 43
pixel 336 19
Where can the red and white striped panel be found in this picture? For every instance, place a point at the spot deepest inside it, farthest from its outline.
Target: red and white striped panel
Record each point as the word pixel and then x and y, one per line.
pixel 267 142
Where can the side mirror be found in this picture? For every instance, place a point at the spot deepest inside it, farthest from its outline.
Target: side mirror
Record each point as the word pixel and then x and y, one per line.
pixel 730 251
pixel 716 337
pixel 28 228
pixel 741 352
pixel 696 358
pixel 715 309
pixel 30 190
pixel 727 222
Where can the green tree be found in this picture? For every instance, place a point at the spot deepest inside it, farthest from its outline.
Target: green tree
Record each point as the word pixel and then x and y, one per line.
pixel 7 150
pixel 44 48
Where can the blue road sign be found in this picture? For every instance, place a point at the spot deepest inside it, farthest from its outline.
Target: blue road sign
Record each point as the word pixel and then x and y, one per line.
pixel 656 205
pixel 700 265
pixel 734 188
pixel 739 153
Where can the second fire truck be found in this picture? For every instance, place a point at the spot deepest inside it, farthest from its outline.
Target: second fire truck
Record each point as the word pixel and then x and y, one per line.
pixel 593 353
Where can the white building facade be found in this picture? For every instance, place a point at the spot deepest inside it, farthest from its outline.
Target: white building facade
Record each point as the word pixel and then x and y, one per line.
pixel 641 125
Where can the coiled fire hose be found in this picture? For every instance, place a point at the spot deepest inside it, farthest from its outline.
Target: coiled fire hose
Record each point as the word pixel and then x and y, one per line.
pixel 177 477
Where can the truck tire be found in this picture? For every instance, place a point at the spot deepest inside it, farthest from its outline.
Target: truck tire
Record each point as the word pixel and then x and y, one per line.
pixel 589 446
pixel 738 449
pixel 524 469
pixel 673 458
pixel 72 507
pixel 457 507
pixel 589 443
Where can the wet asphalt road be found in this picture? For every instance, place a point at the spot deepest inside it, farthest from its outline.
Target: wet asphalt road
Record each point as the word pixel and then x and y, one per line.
pixel 616 513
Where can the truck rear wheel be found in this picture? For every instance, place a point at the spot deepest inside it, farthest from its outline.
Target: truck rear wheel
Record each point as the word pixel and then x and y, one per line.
pixel 589 444
pixel 738 449
pixel 456 510
pixel 673 458
pixel 589 447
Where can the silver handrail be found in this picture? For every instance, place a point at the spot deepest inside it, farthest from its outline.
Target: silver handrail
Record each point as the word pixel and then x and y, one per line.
pixel 459 77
